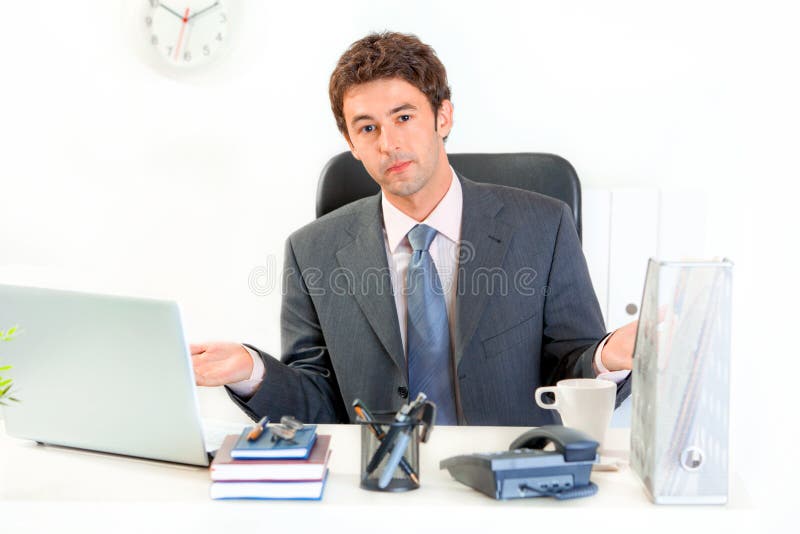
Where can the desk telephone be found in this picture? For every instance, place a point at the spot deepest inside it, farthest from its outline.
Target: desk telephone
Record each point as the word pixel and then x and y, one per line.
pixel 527 470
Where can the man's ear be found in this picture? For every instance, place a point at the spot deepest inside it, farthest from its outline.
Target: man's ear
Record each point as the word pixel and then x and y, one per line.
pixel 444 118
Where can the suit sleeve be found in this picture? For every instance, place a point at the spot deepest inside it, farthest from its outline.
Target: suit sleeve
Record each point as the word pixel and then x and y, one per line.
pixel 573 322
pixel 302 383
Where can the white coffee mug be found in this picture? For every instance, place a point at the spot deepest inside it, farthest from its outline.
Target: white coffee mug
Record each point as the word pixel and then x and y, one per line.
pixel 586 404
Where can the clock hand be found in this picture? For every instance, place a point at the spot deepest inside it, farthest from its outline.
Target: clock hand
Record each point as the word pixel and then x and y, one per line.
pixel 185 18
pixel 212 6
pixel 171 10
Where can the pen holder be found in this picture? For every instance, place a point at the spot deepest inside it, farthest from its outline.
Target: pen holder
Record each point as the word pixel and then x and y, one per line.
pixel 393 466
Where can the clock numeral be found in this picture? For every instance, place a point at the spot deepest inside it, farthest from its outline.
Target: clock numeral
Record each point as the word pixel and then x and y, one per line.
pixel 154 3
pixel 219 36
pixel 154 40
pixel 222 18
pixel 187 56
pixel 169 51
pixel 148 21
pixel 206 50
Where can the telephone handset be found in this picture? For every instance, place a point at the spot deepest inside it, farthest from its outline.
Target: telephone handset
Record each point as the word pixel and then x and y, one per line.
pixel 572 444
pixel 527 470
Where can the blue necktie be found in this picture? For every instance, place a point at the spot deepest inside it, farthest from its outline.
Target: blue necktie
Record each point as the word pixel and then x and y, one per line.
pixel 428 332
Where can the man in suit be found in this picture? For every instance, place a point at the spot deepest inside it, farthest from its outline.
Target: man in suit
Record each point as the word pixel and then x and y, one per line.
pixel 473 293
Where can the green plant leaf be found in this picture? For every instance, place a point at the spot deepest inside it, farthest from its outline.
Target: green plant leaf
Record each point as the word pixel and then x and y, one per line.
pixel 11 331
pixel 5 368
pixel 4 382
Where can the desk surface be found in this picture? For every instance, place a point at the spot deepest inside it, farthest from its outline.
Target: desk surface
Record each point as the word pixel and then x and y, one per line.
pixel 44 487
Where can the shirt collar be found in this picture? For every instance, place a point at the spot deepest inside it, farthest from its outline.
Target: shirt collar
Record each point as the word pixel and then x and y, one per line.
pixel 445 217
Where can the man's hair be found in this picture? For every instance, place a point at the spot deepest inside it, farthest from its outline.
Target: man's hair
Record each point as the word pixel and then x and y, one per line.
pixel 388 55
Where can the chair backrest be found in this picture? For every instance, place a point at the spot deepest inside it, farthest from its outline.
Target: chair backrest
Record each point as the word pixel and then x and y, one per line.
pixel 344 178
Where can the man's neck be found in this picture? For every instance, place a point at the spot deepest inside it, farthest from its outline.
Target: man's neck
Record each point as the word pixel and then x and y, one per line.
pixel 419 205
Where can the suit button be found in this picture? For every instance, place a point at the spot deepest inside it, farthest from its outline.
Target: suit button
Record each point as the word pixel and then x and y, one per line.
pixel 403 392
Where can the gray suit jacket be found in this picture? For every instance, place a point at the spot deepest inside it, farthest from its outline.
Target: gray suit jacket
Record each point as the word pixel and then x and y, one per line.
pixel 526 314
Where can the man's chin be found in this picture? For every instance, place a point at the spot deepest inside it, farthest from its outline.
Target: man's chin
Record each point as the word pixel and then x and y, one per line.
pixel 404 189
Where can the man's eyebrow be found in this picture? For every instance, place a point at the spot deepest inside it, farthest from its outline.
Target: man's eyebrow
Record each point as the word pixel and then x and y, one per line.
pixel 404 107
pixel 365 117
pixel 361 117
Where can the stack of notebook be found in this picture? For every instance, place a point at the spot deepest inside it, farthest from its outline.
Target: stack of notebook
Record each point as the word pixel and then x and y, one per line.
pixel 270 467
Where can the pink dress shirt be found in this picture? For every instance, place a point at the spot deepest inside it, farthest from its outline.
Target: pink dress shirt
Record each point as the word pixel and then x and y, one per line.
pixel 446 220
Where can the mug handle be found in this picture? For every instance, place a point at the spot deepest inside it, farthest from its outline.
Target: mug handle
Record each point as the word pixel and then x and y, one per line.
pixel 538 397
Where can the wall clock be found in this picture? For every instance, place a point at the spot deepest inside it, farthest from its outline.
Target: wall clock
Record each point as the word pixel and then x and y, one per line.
pixel 186 35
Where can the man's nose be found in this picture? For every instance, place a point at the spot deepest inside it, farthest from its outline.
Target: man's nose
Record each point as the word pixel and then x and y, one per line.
pixel 388 140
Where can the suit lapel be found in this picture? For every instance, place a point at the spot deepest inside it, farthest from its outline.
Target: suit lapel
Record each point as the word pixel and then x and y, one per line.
pixel 484 242
pixel 364 262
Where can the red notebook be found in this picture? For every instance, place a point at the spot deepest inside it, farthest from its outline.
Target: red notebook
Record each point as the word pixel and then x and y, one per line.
pixel 312 468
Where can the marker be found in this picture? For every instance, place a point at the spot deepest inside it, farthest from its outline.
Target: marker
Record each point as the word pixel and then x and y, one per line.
pixel 395 458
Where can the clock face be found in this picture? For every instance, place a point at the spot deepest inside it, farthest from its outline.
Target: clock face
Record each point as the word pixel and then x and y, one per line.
pixel 186 33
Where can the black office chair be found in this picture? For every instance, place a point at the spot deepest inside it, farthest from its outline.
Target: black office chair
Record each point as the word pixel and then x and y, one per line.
pixel 344 178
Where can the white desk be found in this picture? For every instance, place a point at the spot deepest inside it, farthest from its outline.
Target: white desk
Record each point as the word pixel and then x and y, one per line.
pixel 51 489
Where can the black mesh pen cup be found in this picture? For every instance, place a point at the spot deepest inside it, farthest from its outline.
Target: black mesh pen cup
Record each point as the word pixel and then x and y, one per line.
pixel 389 454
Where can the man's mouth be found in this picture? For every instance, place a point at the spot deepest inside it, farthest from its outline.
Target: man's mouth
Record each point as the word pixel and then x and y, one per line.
pixel 399 167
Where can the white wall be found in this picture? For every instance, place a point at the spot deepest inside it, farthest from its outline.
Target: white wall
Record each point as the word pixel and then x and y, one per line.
pixel 116 178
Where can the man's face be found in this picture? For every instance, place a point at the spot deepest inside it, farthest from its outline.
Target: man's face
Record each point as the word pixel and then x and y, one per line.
pixel 391 128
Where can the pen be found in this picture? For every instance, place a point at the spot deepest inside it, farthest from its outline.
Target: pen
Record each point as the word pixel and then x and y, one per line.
pixel 364 414
pixel 258 428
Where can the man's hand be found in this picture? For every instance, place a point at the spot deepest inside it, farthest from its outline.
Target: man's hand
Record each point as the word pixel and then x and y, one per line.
pixel 617 353
pixel 220 363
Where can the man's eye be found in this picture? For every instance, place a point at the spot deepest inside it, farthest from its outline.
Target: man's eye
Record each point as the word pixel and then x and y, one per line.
pixel 404 118
pixel 369 128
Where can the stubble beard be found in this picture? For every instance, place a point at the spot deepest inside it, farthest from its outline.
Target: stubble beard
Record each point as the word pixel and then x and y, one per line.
pixel 407 188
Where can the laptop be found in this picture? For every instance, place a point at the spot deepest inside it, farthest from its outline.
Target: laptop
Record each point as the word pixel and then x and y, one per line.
pixel 103 373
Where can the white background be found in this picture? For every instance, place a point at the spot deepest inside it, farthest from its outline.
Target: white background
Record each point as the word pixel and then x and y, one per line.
pixel 116 177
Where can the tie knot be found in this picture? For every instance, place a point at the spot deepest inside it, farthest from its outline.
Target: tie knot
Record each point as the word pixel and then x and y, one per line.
pixel 421 237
